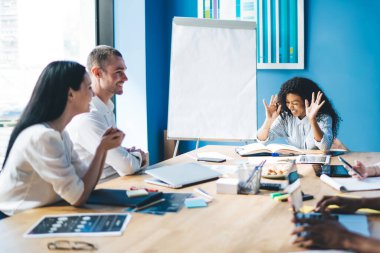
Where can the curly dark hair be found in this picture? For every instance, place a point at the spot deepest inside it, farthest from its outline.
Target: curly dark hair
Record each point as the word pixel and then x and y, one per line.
pixel 304 87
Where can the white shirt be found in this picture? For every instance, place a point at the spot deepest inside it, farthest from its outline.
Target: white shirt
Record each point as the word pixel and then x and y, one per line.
pixel 42 168
pixel 298 132
pixel 86 131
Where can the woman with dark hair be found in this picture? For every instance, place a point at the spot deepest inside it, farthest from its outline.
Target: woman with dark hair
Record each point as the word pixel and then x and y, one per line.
pixel 40 165
pixel 307 118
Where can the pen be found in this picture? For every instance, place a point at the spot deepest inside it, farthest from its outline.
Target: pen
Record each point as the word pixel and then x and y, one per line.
pixel 349 166
pixel 203 193
pixel 148 205
pixel 258 167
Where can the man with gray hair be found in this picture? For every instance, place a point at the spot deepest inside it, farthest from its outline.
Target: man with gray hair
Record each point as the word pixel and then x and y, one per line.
pixel 106 67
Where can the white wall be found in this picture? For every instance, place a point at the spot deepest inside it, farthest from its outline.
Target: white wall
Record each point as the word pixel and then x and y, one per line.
pixel 131 112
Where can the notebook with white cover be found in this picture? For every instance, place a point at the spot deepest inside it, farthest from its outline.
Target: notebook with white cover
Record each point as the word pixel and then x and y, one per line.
pixel 352 184
pixel 180 175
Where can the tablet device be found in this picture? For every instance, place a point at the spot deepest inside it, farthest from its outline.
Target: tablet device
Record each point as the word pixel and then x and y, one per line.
pixel 313 159
pixel 331 170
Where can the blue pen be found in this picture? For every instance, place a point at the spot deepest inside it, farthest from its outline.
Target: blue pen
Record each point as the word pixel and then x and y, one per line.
pixel 275 154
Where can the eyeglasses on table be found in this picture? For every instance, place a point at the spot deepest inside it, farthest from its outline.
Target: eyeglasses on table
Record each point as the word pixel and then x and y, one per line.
pixel 71 245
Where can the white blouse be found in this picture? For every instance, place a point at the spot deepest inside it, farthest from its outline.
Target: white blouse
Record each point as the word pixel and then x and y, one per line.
pixel 42 168
pixel 298 132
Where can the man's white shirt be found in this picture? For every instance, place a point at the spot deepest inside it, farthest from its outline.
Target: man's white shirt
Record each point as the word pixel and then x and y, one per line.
pixel 86 131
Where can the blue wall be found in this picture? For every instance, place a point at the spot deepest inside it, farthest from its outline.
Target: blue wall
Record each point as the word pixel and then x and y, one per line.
pixel 158 17
pixel 157 76
pixel 342 45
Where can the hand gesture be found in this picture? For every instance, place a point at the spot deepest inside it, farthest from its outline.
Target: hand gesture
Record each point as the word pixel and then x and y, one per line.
pixel 360 167
pixel 345 205
pixel 143 158
pixel 325 234
pixel 273 109
pixel 112 138
pixel 142 153
pixel 313 108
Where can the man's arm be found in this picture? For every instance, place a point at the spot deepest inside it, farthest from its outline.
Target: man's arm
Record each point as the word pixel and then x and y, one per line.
pixel 86 131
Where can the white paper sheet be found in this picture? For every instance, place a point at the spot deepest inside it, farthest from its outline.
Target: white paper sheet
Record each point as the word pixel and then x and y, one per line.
pixel 212 92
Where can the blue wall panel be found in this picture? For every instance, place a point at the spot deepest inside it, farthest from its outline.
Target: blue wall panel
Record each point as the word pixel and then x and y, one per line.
pixel 159 15
pixel 157 76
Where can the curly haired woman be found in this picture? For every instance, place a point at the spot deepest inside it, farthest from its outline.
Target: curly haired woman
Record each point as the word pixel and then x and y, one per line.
pixel 301 114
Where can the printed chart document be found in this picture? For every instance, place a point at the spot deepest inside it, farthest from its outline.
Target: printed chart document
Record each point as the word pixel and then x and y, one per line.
pixel 352 184
pixel 90 224
pixel 270 149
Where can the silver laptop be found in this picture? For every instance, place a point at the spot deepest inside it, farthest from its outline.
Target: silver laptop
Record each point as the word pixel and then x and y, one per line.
pixel 180 175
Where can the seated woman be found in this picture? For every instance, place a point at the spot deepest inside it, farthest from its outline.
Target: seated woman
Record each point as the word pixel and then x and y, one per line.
pixel 307 118
pixel 40 165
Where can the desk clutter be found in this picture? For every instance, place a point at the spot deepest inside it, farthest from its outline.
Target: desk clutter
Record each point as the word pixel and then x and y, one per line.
pixel 147 203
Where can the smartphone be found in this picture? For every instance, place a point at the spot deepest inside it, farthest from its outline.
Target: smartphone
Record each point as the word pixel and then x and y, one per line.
pixel 333 171
pixel 349 165
pixel 211 159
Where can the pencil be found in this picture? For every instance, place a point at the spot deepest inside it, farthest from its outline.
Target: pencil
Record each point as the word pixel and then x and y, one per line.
pixel 148 205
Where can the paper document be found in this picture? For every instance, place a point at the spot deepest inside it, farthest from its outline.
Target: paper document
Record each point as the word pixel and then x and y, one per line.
pixel 352 184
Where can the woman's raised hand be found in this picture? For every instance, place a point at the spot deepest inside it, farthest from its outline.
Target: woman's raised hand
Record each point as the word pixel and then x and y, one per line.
pixel 273 109
pixel 316 104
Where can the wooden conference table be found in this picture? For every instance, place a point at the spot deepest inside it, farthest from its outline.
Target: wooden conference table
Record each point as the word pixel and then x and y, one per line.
pixel 231 223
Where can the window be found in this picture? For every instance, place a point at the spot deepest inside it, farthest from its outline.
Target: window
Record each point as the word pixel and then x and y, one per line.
pixel 32 34
pixel 280 28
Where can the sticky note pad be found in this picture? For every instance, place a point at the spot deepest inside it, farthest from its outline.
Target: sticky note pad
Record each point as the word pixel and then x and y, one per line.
pixel 136 193
pixel 195 202
pixel 282 197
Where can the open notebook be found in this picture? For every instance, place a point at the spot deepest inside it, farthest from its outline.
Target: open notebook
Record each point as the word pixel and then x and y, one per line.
pixel 352 184
pixel 259 149
pixel 356 223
